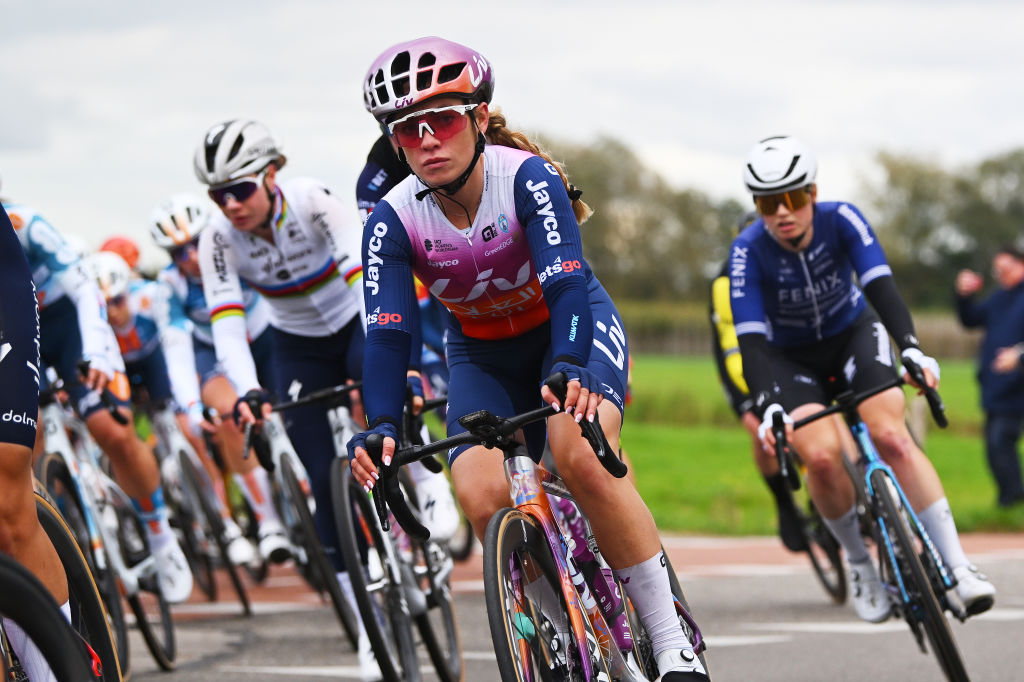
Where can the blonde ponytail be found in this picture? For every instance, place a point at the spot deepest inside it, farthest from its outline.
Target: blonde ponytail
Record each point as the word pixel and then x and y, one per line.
pixel 498 133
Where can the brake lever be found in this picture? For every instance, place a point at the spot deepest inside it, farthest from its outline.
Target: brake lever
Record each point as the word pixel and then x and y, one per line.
pixel 592 431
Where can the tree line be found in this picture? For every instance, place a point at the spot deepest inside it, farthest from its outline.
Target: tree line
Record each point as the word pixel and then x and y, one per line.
pixel 653 242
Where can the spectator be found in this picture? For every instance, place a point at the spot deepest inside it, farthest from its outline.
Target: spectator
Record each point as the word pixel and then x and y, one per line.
pixel 1000 374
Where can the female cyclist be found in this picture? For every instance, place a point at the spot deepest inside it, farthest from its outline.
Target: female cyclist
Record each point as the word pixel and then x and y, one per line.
pixel 488 223
pixel 801 319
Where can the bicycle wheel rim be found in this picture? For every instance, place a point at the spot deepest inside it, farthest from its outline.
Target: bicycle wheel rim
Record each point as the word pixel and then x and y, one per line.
pixel 89 616
pixel 214 524
pixel 924 605
pixel 152 612
pixel 515 545
pixel 319 570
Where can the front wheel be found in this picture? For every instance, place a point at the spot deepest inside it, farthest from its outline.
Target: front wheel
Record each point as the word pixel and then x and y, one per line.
pixel 527 609
pixel 922 606
pixel 825 554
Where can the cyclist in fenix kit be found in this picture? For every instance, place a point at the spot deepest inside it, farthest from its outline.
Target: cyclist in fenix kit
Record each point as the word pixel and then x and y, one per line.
pixel 73 327
pixel 491 228
pixel 297 245
pixel 175 226
pixel 726 351
pixel 802 319
pixel 158 360
pixel 21 536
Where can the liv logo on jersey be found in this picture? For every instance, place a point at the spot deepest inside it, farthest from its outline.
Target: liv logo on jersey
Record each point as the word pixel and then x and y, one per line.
pixel 4 350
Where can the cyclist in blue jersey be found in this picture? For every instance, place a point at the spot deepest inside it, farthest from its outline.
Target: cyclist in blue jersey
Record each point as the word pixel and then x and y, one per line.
pixel 21 536
pixel 802 319
pixel 73 328
pixel 490 225
pixel 175 226
pixel 158 358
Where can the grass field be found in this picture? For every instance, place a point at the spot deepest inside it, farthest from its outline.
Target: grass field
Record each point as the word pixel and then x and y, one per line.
pixel 693 464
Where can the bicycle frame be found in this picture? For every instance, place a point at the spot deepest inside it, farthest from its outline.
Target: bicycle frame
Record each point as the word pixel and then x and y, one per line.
pixel 97 491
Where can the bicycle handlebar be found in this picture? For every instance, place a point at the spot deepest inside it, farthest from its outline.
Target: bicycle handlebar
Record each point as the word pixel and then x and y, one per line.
pixel 847 400
pixel 106 397
pixel 482 428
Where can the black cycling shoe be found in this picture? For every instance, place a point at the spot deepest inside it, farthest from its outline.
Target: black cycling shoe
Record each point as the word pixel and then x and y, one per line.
pixel 791 529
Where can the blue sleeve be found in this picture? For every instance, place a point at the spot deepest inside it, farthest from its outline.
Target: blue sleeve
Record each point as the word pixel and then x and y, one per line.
pixel 971 311
pixel 432 317
pixel 544 209
pixel 745 293
pixel 861 244
pixel 392 313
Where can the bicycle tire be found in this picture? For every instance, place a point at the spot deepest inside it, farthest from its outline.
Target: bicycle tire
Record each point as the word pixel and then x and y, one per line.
pixel 460 546
pixel 24 600
pixel 214 524
pixel 825 554
pixel 438 626
pixel 524 649
pixel 924 604
pixel 149 598
pixel 183 521
pixel 319 570
pixel 388 625
pixel 56 480
pixel 89 615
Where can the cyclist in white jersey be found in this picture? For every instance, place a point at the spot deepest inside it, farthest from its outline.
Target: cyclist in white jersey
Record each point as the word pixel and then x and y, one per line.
pixel 296 244
pixel 175 226
pixel 490 225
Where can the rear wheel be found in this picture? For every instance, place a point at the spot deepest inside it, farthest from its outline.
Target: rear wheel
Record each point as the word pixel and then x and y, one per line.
pixel 318 569
pixel 923 610
pixel 56 479
pixel 213 524
pixel 527 642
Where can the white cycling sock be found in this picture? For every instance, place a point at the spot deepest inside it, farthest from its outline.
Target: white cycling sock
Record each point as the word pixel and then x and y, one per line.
pixel 346 589
pixel 846 530
pixel 32 661
pixel 541 593
pixel 938 522
pixel 255 486
pixel 648 588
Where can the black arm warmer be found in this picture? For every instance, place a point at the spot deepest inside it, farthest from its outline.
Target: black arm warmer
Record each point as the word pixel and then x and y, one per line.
pixel 757 369
pixel 895 315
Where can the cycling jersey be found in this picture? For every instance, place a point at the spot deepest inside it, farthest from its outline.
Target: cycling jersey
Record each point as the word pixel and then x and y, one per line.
pixel 19 342
pixel 189 303
pixel 306 276
pixel 58 274
pixel 518 265
pixel 383 170
pixel 796 298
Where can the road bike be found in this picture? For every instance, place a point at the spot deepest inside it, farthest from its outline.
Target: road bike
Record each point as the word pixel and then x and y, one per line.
pixel 295 505
pixel 604 639
pixel 108 529
pixel 195 506
pixel 401 579
pixel 914 574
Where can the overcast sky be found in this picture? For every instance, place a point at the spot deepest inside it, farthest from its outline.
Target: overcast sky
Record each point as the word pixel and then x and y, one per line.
pixel 105 102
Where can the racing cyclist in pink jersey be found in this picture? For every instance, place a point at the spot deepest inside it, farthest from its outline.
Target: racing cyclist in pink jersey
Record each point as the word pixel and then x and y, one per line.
pixel 489 224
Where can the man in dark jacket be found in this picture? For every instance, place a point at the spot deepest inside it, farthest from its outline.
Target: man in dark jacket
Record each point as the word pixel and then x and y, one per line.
pixel 1000 374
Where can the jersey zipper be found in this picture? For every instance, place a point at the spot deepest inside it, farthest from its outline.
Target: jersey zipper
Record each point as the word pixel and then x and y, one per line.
pixel 814 298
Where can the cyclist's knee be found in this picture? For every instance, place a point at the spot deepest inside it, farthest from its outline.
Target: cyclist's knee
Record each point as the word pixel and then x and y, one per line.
pixel 894 442
pixel 119 441
pixel 481 500
pixel 822 463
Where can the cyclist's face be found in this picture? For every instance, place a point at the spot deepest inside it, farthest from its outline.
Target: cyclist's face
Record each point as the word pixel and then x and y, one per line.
pixel 1008 270
pixel 788 225
pixel 438 162
pixel 248 214
pixel 118 313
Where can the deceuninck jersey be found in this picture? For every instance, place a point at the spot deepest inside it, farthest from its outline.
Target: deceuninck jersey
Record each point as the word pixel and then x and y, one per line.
pixel 503 276
pixel 57 272
pixel 796 298
pixel 304 276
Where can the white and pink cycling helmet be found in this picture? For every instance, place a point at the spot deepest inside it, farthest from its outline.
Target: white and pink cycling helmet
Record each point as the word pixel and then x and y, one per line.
pixel 412 72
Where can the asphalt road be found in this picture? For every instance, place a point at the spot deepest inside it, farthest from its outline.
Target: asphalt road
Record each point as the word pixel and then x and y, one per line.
pixel 763 615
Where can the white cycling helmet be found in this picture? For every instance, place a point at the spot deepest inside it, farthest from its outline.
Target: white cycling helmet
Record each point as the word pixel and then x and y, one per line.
pixel 110 272
pixel 778 164
pixel 178 220
pixel 234 149
pixel 77 244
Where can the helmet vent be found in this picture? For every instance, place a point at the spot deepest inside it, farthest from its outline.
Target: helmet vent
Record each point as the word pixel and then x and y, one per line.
pixel 426 59
pixel 400 64
pixel 235 147
pixel 424 79
pixel 450 72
